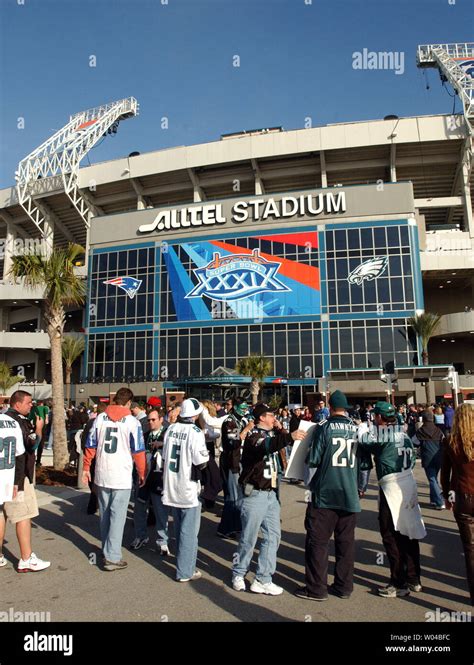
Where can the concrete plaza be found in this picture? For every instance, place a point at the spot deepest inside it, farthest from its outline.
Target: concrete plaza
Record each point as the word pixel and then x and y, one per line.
pixel 75 589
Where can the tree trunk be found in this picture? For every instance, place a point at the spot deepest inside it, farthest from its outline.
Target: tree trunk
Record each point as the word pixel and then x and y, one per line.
pixel 68 384
pixel 55 320
pixel 254 390
pixel 424 356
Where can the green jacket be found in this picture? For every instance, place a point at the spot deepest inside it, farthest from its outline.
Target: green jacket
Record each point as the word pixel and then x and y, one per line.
pixel 333 452
pixel 393 450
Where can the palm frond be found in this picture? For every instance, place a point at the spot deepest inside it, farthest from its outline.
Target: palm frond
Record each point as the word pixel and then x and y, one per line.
pixel 425 326
pixel 256 366
pixel 71 348
pixel 7 380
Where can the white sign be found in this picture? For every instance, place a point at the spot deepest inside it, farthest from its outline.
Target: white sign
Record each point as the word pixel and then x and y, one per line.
pixel 296 467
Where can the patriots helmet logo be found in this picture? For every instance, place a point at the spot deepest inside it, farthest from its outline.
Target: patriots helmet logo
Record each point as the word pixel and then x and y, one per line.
pixel 368 270
pixel 128 284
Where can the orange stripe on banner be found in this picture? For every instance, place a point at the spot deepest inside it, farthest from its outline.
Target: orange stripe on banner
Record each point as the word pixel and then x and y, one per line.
pixel 299 239
pixel 298 271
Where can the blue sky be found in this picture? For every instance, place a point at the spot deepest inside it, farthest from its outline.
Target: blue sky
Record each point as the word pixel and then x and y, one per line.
pixel 177 60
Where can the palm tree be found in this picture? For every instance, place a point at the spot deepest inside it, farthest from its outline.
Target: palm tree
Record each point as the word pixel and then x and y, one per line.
pixel 62 287
pixel 256 366
pixel 425 326
pixel 7 380
pixel 72 348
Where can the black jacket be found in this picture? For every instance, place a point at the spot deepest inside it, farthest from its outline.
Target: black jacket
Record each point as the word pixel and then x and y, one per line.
pixel 25 464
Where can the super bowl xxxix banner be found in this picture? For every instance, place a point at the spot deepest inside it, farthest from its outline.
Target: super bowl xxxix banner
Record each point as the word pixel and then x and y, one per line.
pixel 251 277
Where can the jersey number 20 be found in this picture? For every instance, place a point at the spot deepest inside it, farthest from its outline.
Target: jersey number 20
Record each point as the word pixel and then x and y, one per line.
pixel 345 445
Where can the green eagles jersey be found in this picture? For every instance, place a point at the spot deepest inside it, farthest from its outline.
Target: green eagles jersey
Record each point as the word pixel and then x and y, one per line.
pixel 392 449
pixel 333 452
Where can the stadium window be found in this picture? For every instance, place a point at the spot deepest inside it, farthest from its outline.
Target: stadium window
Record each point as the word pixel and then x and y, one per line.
pixel 122 260
pixel 112 267
pixel 172 347
pixel 380 240
pixel 404 238
pixel 383 294
pixel 393 236
pixel 353 238
pixel 132 260
pixel 366 239
pixel 195 368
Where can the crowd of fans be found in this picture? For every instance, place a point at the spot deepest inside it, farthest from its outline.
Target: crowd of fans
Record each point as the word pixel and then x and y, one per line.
pixel 174 461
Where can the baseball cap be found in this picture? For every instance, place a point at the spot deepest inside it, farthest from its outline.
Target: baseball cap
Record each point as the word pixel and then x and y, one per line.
pixel 259 410
pixel 338 400
pixel 154 401
pixel 190 407
pixel 385 409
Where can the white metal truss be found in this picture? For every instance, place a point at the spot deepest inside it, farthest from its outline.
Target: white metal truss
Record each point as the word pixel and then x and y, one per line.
pixel 62 154
pixel 448 59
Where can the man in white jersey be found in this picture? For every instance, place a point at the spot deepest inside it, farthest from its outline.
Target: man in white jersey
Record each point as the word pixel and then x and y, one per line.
pixel 24 508
pixel 116 441
pixel 11 447
pixel 184 454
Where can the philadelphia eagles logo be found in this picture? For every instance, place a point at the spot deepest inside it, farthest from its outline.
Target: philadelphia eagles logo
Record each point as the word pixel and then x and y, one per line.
pixel 368 270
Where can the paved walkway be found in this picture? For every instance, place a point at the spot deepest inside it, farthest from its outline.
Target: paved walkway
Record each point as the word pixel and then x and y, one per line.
pixel 74 589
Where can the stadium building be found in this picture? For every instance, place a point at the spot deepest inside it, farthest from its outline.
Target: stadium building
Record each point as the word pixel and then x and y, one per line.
pixel 313 247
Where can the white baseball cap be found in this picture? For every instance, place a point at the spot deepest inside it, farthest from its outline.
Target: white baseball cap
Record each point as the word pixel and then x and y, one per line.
pixel 190 407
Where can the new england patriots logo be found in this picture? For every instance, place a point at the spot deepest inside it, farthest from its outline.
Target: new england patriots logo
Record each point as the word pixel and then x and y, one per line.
pixel 468 67
pixel 237 276
pixel 368 270
pixel 128 284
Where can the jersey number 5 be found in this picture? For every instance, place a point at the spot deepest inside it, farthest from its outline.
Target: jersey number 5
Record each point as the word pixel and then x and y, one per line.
pixel 110 441
pixel 174 461
pixel 344 445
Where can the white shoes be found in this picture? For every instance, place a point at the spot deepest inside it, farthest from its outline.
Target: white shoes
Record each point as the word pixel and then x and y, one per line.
pixel 3 561
pixel 164 549
pixel 197 576
pixel 268 588
pixel 238 583
pixel 33 564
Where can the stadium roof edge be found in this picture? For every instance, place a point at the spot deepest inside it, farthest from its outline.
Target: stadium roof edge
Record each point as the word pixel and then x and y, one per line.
pixel 244 147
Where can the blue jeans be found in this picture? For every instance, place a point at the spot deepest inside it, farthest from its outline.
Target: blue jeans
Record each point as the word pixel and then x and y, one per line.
pixel 113 506
pixel 432 471
pixel 186 528
pixel 140 517
pixel 230 520
pixel 260 510
pixel 363 480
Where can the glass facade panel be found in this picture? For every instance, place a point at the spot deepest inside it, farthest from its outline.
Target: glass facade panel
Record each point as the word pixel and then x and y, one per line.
pixel 260 293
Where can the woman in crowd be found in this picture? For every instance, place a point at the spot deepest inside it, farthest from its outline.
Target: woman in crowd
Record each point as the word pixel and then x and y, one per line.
pixel 439 418
pixel 457 481
pixel 429 438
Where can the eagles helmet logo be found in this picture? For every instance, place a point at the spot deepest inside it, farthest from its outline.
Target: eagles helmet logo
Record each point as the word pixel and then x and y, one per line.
pixel 368 270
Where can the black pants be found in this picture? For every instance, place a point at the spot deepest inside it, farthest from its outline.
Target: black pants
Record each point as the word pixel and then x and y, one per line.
pixel 320 524
pixel 403 553
pixel 464 514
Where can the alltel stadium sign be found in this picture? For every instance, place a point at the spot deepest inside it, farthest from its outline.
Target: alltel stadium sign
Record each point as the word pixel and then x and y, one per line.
pixel 305 205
